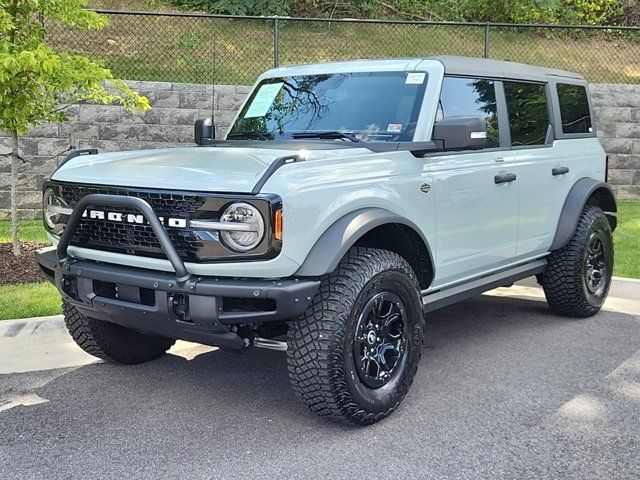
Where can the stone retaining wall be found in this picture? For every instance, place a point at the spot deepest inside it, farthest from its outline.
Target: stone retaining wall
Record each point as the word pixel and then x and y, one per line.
pixel 176 107
pixel 110 128
pixel 617 115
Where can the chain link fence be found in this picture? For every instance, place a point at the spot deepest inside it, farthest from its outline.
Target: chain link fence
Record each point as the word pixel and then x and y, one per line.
pixel 198 48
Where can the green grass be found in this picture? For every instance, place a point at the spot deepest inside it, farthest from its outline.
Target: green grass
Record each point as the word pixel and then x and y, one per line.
pixel 30 231
pixel 627 240
pixel 29 300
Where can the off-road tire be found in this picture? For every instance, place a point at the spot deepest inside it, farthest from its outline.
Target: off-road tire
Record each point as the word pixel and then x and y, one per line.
pixel 112 342
pixel 320 355
pixel 565 279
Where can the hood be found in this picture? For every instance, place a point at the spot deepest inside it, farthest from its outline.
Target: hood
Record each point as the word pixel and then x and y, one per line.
pixel 213 169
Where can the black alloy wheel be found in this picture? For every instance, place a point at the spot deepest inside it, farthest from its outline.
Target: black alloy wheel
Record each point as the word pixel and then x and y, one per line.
pixel 379 343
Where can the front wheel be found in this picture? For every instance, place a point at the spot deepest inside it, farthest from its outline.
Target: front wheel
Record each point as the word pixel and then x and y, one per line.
pixel 355 352
pixel 578 276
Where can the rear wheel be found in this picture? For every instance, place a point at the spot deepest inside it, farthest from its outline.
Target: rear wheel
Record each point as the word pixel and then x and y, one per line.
pixel 112 342
pixel 578 276
pixel 354 354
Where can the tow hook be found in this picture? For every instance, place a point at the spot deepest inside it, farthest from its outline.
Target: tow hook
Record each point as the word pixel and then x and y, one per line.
pixel 245 334
pixel 179 305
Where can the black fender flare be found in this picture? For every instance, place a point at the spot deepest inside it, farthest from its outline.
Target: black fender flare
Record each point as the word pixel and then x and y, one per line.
pixel 577 198
pixel 334 243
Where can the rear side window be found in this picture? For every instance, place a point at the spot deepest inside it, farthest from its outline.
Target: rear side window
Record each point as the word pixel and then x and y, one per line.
pixel 574 108
pixel 474 97
pixel 528 113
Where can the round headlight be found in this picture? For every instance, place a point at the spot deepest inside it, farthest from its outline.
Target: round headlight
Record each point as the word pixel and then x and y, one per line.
pixel 56 213
pixel 246 227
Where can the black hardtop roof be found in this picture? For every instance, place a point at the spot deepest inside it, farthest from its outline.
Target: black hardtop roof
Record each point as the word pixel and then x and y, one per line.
pixel 485 67
pixel 453 65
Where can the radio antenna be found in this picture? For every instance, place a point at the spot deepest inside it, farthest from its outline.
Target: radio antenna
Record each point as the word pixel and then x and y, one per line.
pixel 213 83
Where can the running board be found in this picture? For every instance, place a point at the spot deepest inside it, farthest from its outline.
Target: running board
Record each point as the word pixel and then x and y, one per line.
pixel 448 296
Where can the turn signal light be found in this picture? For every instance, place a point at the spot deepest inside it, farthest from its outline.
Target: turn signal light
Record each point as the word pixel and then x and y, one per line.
pixel 277 225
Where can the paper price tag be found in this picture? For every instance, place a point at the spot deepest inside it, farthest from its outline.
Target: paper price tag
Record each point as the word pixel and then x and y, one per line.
pixel 263 100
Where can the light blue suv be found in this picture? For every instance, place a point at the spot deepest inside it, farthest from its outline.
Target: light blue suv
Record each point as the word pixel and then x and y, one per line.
pixel 347 201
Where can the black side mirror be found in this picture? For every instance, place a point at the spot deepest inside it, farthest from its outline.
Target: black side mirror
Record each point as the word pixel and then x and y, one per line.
pixel 461 133
pixel 205 131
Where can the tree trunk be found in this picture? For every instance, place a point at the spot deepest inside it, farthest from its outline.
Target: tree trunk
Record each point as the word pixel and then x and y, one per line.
pixel 15 158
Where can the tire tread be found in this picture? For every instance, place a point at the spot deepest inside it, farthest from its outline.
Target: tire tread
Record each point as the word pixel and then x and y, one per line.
pixel 111 342
pixel 314 356
pixel 561 281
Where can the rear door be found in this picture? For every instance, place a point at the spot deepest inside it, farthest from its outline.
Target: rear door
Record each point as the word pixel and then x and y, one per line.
pixel 476 208
pixel 546 166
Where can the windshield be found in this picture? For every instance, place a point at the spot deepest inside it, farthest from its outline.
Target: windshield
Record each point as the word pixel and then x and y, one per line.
pixel 372 106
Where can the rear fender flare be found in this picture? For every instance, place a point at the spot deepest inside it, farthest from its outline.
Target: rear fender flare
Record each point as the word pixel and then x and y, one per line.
pixel 583 190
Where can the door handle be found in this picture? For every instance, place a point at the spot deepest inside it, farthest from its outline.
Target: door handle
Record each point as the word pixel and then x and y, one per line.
pixel 559 170
pixel 504 178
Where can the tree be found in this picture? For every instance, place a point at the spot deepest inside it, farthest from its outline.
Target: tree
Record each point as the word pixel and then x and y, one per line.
pixel 37 84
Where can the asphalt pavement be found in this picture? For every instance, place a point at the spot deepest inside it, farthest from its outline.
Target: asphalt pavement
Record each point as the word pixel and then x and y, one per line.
pixel 505 389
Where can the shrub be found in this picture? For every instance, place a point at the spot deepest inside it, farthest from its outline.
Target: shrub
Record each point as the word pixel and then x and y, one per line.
pixel 236 7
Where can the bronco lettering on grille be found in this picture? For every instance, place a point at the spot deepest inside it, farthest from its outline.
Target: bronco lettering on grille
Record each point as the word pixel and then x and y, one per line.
pixel 131 218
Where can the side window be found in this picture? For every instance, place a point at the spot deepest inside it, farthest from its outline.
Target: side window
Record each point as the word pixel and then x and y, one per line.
pixel 470 97
pixel 528 113
pixel 574 108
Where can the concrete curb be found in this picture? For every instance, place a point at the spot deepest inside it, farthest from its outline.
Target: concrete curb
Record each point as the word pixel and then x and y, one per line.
pixel 28 327
pixel 628 288
pixel 621 287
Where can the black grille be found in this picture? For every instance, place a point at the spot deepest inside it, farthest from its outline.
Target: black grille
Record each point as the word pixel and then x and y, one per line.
pixel 127 238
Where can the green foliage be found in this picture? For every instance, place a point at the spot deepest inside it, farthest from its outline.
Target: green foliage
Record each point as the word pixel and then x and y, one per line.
pixel 237 7
pixel 590 12
pixel 36 82
pixel 593 12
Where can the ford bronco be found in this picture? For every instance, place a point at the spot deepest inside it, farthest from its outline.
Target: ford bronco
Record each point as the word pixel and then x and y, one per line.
pixel 346 203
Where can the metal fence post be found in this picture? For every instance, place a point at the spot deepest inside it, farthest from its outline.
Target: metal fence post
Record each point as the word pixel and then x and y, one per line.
pixel 276 41
pixel 41 20
pixel 486 41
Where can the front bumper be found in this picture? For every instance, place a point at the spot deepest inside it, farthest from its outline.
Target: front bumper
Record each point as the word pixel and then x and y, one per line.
pixel 199 309
pixel 179 305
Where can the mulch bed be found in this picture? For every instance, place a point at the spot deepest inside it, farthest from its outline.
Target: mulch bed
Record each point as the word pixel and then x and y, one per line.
pixel 20 269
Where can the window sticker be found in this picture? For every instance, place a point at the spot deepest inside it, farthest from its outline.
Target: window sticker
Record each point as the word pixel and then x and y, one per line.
pixel 394 127
pixel 263 100
pixel 415 78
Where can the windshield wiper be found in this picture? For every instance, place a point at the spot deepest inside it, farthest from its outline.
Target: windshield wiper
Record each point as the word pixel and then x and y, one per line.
pixel 329 135
pixel 251 134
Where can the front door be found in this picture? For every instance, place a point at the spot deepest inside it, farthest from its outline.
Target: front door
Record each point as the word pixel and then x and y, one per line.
pixel 476 191
pixel 477 213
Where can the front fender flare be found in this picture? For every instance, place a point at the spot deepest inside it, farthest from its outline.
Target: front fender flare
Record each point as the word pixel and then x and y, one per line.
pixel 334 243
pixel 577 198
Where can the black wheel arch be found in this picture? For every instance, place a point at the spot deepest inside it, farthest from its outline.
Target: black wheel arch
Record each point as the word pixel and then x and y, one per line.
pixel 586 191
pixel 372 228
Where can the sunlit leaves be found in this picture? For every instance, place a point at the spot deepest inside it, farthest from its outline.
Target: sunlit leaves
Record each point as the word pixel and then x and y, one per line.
pixel 35 81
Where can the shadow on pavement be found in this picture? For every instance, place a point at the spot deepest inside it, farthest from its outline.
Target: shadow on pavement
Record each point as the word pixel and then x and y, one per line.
pixel 504 389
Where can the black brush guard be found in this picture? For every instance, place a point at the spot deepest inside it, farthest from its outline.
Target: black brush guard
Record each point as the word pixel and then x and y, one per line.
pixel 178 305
